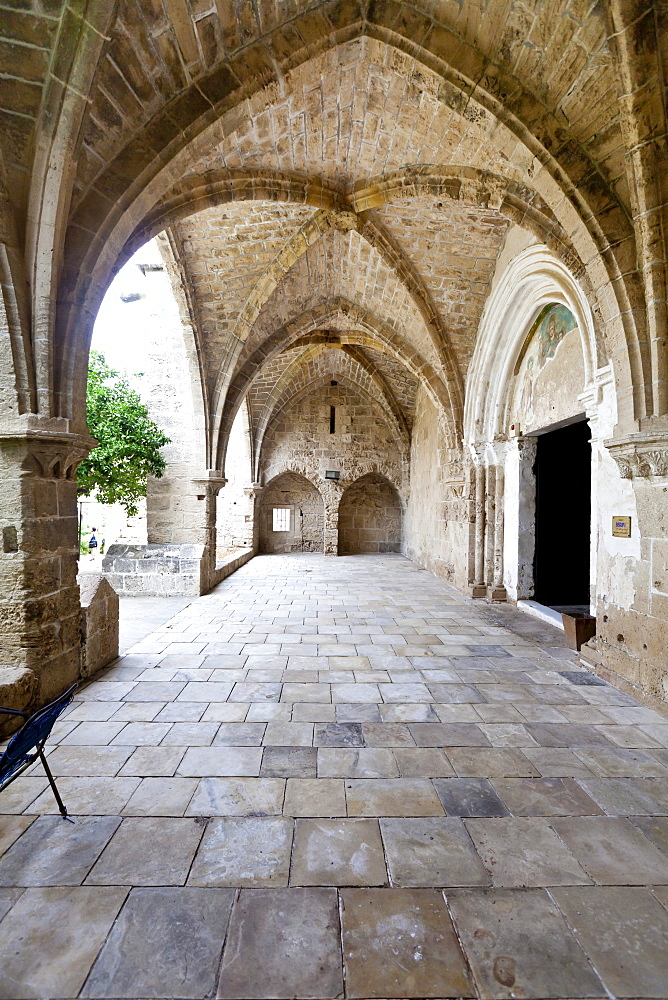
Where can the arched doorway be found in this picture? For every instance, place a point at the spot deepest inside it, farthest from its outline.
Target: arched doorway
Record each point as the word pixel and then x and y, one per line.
pixel 292 515
pixel 370 517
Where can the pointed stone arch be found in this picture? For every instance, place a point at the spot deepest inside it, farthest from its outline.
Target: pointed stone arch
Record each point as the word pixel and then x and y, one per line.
pixel 370 516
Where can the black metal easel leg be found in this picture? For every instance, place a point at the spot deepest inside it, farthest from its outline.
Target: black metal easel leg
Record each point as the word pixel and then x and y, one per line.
pixel 61 805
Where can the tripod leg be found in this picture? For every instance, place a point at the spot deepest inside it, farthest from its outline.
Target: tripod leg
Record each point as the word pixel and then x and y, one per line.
pixel 59 801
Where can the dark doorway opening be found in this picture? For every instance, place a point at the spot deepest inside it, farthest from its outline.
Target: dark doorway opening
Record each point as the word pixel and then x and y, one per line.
pixel 563 517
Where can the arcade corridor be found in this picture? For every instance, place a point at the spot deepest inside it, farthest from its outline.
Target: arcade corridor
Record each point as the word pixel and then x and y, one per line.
pixel 340 777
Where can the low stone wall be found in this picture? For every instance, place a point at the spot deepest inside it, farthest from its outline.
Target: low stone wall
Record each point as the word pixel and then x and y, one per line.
pixel 18 689
pixel 99 622
pixel 154 570
pixel 232 562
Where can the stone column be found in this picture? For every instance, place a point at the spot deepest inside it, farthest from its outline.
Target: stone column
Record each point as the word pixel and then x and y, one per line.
pixel 206 491
pixel 252 538
pixel 478 588
pixel 331 494
pixel 40 613
pixel 496 590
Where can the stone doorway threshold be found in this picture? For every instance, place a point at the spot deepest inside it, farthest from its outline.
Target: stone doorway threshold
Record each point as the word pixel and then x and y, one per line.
pixel 541 611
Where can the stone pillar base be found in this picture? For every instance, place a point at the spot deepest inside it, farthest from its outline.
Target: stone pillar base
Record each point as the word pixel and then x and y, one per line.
pixel 496 593
pixel 477 590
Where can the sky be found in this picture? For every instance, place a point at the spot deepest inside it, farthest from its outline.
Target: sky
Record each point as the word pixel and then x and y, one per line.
pixel 119 328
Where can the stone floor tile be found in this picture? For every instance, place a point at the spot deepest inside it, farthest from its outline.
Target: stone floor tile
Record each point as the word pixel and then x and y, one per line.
pixel 182 929
pixel 537 712
pixel 353 693
pixel 207 691
pixel 498 713
pixel 362 762
pixel 238 797
pixel 283 943
pixel 475 762
pixel 74 761
pixel 357 713
pixel 629 796
pixel 545 797
pixel 392 797
pixel 87 796
pixel 153 762
pixel 289 762
pixel 255 692
pixel 161 797
pixel 469 797
pixel 306 712
pixel 401 943
pixel 519 945
pixel 431 851
pixel 89 734
pixel 52 852
pixel 624 931
pixel 315 797
pixel 507 734
pixel 131 857
pixel 227 712
pixel 65 927
pixel 630 737
pixel 11 829
pixel 301 677
pixel 260 676
pixel 557 762
pixel 406 713
pixel 456 694
pixel 240 734
pixel 387 734
pixel 524 852
pixel 425 762
pixel 289 734
pixel 22 793
pixel 92 711
pixel 105 691
pixel 338 734
pixel 655 828
pixel 244 851
pixel 137 734
pixel 221 761
pixel 457 713
pixel 337 852
pixel 441 734
pixel 401 693
pixel 619 763
pixel 181 711
pixel 191 734
pixel 570 734
pixel 305 693
pixel 613 851
pixel 159 691
pixel 7 899
pixel 138 711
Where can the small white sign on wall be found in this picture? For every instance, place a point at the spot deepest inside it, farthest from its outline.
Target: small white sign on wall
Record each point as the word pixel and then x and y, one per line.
pixel 281 519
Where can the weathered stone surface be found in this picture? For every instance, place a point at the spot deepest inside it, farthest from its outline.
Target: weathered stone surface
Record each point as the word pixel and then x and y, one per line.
pixel 243 852
pixel 283 943
pixel 338 852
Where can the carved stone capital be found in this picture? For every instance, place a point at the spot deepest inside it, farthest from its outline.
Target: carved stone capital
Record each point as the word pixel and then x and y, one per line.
pixel 253 490
pixel 209 486
pixel 55 456
pixel 641 456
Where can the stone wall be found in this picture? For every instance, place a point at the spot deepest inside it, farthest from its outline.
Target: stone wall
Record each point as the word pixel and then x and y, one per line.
pixel 307 515
pixel 155 570
pixel 299 438
pixel 99 622
pixel 370 517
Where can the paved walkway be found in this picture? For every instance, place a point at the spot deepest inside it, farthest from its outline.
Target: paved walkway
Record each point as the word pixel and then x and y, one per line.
pixel 339 777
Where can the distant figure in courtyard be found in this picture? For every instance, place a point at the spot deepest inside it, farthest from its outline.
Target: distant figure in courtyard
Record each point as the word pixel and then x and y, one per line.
pixel 92 544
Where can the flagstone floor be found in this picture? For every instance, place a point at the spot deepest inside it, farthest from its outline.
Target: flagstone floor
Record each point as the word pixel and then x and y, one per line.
pixel 342 778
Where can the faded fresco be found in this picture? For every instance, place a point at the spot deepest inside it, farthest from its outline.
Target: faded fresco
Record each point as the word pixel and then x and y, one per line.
pixel 552 328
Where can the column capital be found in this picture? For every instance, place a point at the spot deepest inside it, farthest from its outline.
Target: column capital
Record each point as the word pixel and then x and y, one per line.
pixel 209 485
pixel 49 454
pixel 641 456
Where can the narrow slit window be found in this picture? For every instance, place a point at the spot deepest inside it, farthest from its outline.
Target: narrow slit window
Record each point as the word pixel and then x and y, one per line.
pixel 281 521
pixel 332 420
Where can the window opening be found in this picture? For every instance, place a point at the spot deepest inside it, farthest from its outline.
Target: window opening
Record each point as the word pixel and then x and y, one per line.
pixel 281 519
pixel 332 419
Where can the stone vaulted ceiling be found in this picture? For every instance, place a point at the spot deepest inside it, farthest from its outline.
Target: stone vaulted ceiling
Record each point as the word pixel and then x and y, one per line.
pixel 329 172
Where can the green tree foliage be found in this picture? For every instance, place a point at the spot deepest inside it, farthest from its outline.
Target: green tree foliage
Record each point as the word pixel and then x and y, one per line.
pixel 129 442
